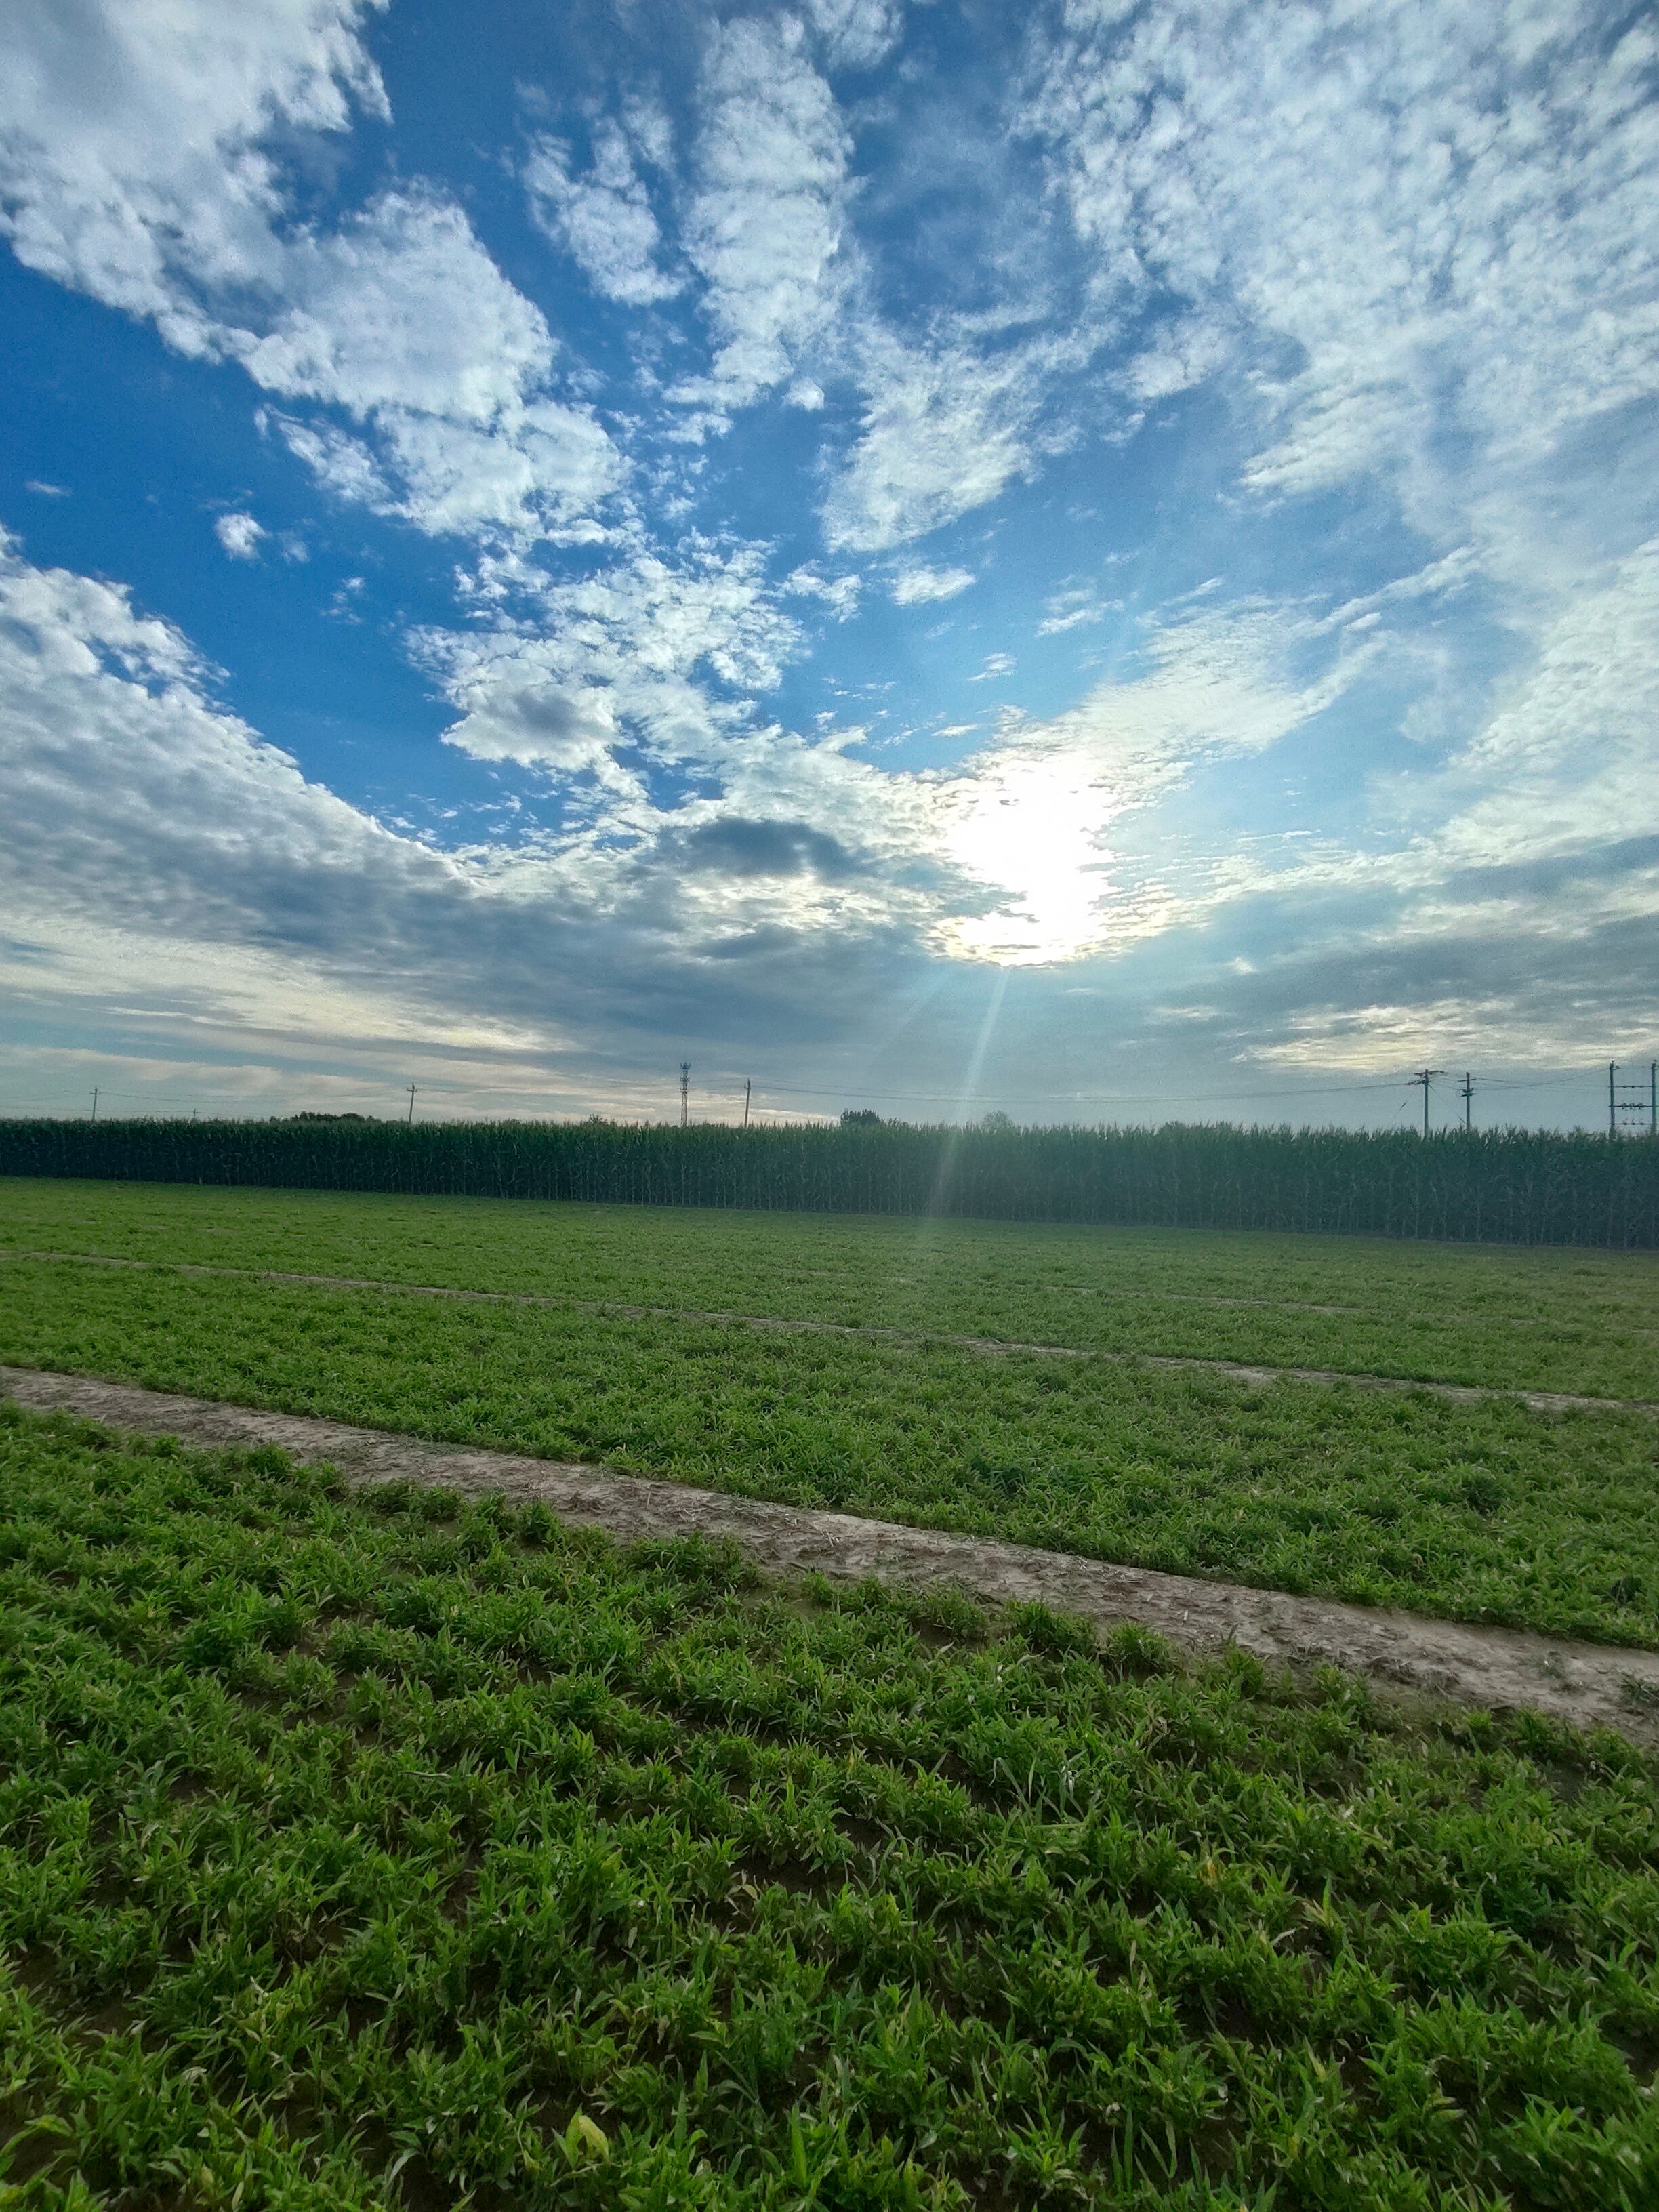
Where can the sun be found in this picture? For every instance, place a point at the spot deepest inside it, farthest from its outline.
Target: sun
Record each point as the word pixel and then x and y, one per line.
pixel 1031 828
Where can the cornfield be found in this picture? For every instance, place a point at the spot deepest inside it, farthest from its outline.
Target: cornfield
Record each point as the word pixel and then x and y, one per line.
pixel 1513 1186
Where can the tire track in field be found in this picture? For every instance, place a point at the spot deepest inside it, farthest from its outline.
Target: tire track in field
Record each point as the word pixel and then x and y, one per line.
pixel 1254 1377
pixel 1496 1669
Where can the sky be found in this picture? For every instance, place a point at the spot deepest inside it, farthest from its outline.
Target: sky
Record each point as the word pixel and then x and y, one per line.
pixel 1094 560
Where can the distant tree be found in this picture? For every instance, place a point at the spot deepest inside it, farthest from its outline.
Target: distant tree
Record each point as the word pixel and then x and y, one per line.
pixel 997 1122
pixel 859 1117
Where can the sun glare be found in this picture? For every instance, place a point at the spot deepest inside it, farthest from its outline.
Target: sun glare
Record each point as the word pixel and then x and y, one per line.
pixel 1032 829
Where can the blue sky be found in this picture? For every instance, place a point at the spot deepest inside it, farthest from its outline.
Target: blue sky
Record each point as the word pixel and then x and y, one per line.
pixel 1093 559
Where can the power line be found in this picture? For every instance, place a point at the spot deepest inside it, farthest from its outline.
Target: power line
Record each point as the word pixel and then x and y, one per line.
pixel 1059 1099
pixel 1077 1100
pixel 1631 1104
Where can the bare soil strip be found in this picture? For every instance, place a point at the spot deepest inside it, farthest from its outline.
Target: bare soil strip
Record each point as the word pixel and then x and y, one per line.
pixel 1466 1394
pixel 1496 1669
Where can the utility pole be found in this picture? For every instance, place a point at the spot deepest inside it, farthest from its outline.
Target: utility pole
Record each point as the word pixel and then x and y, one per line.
pixel 1637 1103
pixel 1423 1076
pixel 1468 1095
pixel 410 1118
pixel 747 1086
pixel 685 1092
pixel 94 1101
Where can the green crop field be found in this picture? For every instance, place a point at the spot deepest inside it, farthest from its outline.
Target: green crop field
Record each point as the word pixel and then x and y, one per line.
pixel 1558 1319
pixel 402 1852
pixel 1485 1510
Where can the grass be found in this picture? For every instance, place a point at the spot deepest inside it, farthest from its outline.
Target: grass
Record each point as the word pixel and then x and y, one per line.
pixel 395 1851
pixel 1554 1320
pixel 1484 1511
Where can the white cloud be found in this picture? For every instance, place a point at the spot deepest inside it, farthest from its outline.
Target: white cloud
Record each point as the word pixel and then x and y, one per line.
pixel 1072 606
pixel 1567 762
pixel 539 476
pixel 856 34
pixel 917 585
pixel 603 220
pixel 135 165
pixel 1400 225
pixel 150 841
pixel 343 463
pixel 996 664
pixel 130 797
pixel 839 594
pixel 539 722
pixel 400 308
pixel 132 145
pixel 941 432
pixel 1424 245
pixel 402 318
pixel 764 221
pixel 240 535
pixel 630 649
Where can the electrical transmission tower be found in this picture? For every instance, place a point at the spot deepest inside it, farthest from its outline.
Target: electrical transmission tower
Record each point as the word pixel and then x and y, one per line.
pixel 1423 1078
pixel 1633 1105
pixel 685 1091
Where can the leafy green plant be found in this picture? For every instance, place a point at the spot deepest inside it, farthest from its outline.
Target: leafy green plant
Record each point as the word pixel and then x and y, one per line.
pixel 520 1870
pixel 1483 1510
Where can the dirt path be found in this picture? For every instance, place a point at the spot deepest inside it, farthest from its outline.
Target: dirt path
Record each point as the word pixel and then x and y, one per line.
pixel 1493 1668
pixel 1466 1394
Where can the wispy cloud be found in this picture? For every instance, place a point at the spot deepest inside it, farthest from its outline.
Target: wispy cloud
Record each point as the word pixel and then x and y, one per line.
pixel 763 224
pixel 602 218
pixel 1074 605
pixel 917 585
pixel 1401 227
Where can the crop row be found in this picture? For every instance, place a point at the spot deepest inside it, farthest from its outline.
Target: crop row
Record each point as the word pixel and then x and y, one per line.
pixel 1564 1321
pixel 1486 1511
pixel 414 1853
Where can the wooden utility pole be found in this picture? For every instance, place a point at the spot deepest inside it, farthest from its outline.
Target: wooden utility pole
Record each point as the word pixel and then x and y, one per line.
pixel 1468 1096
pixel 685 1092
pixel 1425 1076
pixel 747 1086
pixel 411 1106
pixel 94 1101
